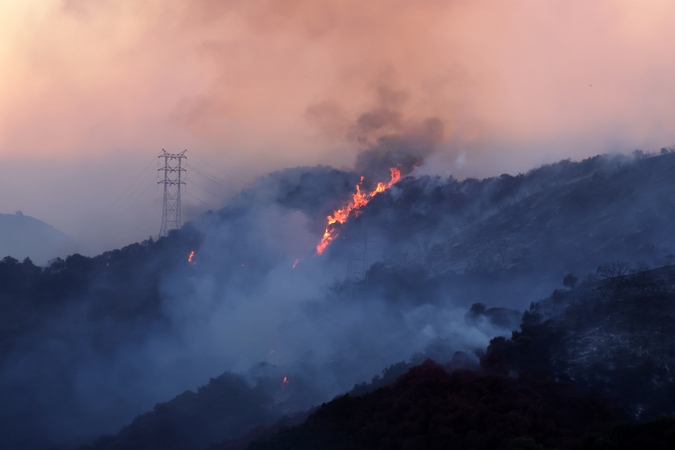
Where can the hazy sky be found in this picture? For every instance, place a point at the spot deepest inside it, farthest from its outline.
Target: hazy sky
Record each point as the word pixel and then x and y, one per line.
pixel 92 90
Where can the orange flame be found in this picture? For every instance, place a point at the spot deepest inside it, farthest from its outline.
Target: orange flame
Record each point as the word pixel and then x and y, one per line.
pixel 359 200
pixel 295 264
pixel 285 380
pixel 192 255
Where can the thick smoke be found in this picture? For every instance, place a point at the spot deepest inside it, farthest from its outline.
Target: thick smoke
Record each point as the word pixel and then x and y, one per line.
pixel 405 150
pixel 258 302
pixel 246 299
pixel 105 345
pixel 256 292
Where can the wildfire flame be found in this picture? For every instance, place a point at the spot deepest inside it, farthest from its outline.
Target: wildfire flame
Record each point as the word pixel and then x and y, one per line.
pixel 295 264
pixel 192 255
pixel 359 200
pixel 285 380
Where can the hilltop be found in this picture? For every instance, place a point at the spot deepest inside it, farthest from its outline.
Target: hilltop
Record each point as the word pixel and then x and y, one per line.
pixel 23 236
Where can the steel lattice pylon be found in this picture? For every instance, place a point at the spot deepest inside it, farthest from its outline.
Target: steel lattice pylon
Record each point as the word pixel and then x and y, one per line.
pixel 173 180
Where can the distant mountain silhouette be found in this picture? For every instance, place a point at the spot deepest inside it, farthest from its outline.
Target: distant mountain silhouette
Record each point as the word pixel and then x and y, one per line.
pixel 23 236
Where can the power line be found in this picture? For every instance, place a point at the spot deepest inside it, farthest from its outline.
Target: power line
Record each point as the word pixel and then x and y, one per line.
pixel 211 179
pixel 128 208
pixel 243 184
pixel 138 202
pixel 133 201
pixel 129 187
pixel 148 205
pixel 200 200
pixel 206 190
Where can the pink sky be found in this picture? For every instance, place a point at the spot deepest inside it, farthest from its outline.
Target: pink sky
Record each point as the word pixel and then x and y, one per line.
pixel 91 90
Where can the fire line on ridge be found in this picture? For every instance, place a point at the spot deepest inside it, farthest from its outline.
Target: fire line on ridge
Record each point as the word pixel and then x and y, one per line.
pixel 358 201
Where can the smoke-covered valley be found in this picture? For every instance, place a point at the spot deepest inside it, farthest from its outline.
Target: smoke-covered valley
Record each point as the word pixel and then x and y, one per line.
pixel 87 344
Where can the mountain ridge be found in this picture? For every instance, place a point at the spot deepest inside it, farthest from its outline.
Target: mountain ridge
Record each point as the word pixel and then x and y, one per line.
pixel 23 236
pixel 135 327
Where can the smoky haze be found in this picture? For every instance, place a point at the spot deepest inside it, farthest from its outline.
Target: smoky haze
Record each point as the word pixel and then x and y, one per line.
pixel 93 90
pixel 287 104
pixel 256 299
pixel 115 335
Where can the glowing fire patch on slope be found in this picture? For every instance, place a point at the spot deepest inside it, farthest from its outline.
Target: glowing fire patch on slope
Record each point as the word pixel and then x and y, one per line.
pixel 191 257
pixel 359 200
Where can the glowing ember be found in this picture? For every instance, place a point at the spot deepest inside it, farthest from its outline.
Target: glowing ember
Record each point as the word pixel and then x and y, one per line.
pixel 285 380
pixel 296 262
pixel 359 200
pixel 192 255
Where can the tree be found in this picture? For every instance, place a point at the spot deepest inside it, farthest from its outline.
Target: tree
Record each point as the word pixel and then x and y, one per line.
pixel 613 269
pixel 570 281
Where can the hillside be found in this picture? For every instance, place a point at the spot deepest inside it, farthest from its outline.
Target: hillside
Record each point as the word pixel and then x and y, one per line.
pixel 613 333
pixel 614 211
pixel 509 240
pixel 431 408
pixel 102 340
pixel 223 407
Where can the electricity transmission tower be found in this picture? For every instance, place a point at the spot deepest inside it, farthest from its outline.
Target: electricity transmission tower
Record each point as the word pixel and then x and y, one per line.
pixel 173 170
pixel 357 253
